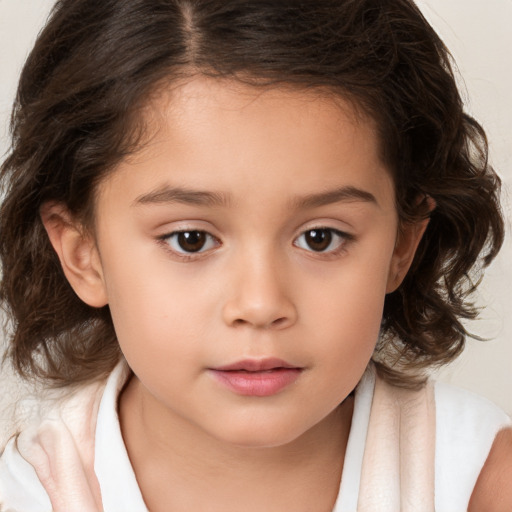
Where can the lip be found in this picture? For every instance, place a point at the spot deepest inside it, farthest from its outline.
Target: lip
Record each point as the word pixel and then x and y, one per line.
pixel 257 377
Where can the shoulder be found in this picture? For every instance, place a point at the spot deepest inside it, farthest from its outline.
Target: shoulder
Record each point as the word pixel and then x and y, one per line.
pixel 493 492
pixel 55 440
pixel 466 428
pixel 458 405
pixel 20 488
pixel 467 419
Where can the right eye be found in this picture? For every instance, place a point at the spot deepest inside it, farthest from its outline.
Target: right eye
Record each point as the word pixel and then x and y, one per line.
pixel 193 241
pixel 322 240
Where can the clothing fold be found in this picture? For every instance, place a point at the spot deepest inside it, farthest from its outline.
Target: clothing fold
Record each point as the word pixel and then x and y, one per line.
pixel 408 451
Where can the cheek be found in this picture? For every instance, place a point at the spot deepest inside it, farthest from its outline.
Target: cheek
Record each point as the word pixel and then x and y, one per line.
pixel 347 344
pixel 351 293
pixel 155 310
pixel 346 307
pixel 351 331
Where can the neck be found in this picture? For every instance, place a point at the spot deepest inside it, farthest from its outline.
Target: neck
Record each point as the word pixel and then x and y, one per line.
pixel 180 467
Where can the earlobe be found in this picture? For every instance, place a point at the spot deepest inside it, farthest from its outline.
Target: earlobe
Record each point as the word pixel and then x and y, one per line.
pixel 405 249
pixel 77 253
pixel 407 243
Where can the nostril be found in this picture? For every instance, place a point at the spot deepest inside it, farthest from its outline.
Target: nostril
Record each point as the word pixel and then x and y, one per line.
pixel 279 322
pixel 260 314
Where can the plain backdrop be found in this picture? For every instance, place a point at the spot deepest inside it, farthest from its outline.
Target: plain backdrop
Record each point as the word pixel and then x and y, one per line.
pixel 479 36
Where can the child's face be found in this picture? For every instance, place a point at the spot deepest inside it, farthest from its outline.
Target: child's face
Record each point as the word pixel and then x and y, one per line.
pixel 257 226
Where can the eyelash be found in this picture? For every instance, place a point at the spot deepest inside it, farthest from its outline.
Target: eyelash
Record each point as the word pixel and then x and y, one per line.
pixel 342 237
pixel 185 255
pixel 211 242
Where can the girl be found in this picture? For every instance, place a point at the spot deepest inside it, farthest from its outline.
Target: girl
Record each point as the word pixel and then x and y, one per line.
pixel 236 234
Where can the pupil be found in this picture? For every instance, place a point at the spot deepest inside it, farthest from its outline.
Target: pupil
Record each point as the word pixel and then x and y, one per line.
pixel 191 241
pixel 319 239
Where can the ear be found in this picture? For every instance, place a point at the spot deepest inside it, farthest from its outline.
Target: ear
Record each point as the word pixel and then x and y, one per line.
pixel 407 242
pixel 77 253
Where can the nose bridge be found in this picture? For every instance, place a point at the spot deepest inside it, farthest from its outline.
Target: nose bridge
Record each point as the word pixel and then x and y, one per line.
pixel 260 296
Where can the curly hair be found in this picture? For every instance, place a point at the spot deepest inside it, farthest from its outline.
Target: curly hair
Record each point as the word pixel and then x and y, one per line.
pixel 77 115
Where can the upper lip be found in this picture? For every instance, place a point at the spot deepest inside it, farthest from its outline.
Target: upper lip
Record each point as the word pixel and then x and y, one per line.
pixel 256 365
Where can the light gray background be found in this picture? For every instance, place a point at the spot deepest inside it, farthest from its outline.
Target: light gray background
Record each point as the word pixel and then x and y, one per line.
pixel 479 36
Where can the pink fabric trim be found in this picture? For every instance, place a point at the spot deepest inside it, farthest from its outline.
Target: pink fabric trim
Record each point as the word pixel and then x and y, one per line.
pixel 399 457
pixel 61 450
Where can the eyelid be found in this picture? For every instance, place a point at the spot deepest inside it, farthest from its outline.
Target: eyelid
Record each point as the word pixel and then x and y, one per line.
pixel 169 237
pixel 344 239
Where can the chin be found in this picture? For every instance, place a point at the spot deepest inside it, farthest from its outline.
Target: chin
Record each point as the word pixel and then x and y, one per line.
pixel 258 436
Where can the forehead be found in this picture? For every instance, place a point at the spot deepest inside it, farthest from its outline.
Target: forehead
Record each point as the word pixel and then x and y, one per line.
pixel 200 99
pixel 216 134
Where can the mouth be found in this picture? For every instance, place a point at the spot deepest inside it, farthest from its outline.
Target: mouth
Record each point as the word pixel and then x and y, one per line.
pixel 252 377
pixel 256 365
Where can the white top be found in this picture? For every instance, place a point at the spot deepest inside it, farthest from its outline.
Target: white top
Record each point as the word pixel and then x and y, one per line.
pixel 60 455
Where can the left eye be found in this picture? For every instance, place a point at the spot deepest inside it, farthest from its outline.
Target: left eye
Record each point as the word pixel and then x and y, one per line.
pixel 190 241
pixel 321 240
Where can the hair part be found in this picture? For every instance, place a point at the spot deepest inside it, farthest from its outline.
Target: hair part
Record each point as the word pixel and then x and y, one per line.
pixel 78 113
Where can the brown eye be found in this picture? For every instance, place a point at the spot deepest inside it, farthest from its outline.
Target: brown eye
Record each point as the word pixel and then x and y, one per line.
pixel 326 240
pixel 190 241
pixel 318 239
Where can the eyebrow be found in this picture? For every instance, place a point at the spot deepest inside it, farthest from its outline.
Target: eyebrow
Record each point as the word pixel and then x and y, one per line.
pixel 347 194
pixel 167 194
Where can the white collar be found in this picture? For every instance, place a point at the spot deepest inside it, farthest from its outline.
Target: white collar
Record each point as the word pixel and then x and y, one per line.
pixel 119 487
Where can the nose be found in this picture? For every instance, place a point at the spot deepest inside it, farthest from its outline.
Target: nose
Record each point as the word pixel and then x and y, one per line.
pixel 259 297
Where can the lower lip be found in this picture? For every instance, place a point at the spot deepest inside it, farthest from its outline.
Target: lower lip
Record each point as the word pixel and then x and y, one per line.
pixel 263 383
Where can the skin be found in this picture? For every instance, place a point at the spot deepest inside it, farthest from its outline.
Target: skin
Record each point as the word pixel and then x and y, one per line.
pixel 276 163
pixel 493 492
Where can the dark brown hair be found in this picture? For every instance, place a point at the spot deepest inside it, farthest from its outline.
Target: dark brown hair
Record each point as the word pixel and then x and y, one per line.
pixel 97 61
